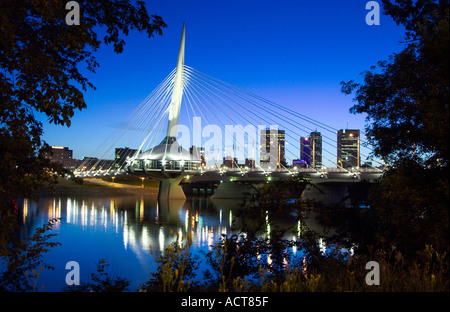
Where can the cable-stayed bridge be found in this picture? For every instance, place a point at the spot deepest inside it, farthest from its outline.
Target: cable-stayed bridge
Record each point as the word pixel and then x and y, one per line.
pixel 219 134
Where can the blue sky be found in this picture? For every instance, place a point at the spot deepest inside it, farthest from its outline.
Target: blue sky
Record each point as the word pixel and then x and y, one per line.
pixel 292 52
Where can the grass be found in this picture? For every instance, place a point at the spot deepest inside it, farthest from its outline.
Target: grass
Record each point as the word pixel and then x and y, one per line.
pixel 332 273
pixel 90 187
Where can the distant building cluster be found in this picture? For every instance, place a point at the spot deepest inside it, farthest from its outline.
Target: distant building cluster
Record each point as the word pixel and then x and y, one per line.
pixel 272 153
pixel 347 153
pixel 63 156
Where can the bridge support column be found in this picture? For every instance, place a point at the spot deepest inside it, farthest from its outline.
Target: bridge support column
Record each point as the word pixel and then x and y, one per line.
pixel 329 194
pixel 170 189
pixel 231 190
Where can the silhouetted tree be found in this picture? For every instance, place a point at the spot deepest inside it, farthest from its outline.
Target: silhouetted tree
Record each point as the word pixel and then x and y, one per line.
pixel 406 101
pixel 41 58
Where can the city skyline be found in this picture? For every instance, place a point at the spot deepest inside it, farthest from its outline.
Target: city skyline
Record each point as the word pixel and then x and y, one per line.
pixel 271 153
pixel 298 62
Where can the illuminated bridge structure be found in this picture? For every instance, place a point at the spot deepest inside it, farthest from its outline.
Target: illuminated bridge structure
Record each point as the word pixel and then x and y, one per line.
pixel 180 170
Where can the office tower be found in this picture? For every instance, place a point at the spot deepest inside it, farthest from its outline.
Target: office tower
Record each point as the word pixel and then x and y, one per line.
pixel 272 148
pixel 311 150
pixel 348 148
pixel 305 151
pixel 315 139
pixel 60 154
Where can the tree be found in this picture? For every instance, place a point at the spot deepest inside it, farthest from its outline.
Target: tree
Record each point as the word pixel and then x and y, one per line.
pixel 40 60
pixel 406 101
pixel 406 98
pixel 25 259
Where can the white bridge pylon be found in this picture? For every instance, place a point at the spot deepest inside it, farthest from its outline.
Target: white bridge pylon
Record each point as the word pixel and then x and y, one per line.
pixel 168 162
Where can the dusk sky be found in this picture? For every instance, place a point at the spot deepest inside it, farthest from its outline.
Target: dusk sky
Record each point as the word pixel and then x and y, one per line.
pixel 294 53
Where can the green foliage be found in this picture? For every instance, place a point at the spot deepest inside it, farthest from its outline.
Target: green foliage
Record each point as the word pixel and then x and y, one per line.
pixel 103 280
pixel 77 180
pixel 176 269
pixel 411 207
pixel 232 258
pixel 25 257
pixel 406 101
pixel 333 271
pixel 278 200
pixel 258 258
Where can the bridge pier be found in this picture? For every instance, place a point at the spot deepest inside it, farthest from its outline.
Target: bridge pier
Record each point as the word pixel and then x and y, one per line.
pixel 170 188
pixel 328 193
pixel 232 190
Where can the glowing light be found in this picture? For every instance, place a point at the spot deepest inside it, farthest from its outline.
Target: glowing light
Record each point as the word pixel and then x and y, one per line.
pixel 111 209
pixel 145 242
pixel 161 238
pixel 141 209
pixel 294 248
pixel 322 246
pixel 25 209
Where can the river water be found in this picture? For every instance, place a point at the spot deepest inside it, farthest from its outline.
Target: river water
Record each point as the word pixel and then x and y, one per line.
pixel 121 229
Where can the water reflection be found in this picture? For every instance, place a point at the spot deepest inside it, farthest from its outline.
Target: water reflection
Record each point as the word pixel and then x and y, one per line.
pixel 141 221
pixel 123 228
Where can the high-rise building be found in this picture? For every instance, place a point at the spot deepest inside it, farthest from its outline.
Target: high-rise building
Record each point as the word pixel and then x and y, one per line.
pixel 63 156
pixel 311 150
pixel 272 148
pixel 348 151
pixel 121 156
pixel 316 149
pixel 305 151
pixel 60 154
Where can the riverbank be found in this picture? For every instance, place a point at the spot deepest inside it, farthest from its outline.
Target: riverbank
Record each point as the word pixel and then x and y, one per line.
pixel 94 187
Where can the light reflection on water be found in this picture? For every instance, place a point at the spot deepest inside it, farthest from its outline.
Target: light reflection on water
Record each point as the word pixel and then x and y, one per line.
pixel 121 229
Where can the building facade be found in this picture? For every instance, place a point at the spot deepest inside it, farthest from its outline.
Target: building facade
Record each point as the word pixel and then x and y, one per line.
pixel 348 148
pixel 272 148
pixel 311 150
pixel 63 156
pixel 60 154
